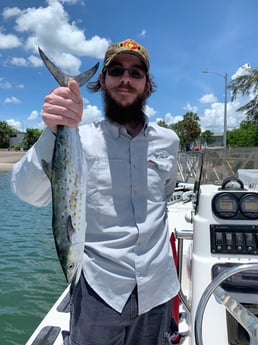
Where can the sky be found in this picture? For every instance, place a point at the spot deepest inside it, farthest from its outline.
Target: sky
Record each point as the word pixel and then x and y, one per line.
pixel 183 37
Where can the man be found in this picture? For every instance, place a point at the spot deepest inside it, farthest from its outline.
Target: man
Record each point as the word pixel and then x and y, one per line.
pixel 124 295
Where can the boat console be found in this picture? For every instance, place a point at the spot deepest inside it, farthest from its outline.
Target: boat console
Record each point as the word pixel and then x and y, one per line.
pixel 225 235
pixel 223 261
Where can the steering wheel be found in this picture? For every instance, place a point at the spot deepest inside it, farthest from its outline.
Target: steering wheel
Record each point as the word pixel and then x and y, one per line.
pixel 232 182
pixel 247 319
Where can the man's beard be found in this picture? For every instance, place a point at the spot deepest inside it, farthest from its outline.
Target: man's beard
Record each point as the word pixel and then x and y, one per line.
pixel 132 113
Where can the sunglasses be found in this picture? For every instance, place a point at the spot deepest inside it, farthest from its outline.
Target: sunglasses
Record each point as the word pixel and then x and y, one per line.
pixel 134 72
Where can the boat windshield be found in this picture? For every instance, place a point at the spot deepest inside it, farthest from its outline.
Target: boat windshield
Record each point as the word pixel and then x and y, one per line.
pixel 217 164
pixel 214 165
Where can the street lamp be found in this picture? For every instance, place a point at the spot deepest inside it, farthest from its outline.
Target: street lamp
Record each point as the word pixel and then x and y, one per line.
pixel 225 76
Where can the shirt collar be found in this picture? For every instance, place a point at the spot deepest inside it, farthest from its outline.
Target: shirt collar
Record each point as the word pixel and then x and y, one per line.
pixel 117 129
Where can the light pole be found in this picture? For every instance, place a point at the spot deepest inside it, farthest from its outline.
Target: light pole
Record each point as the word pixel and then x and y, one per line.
pixel 225 76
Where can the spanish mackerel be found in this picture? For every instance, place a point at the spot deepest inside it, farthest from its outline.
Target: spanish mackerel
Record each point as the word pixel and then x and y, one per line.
pixel 67 174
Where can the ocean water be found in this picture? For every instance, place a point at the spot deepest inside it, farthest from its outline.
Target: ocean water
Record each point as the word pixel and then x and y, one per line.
pixel 31 278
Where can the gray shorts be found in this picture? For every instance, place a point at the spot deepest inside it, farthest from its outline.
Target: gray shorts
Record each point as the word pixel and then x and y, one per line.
pixel 93 322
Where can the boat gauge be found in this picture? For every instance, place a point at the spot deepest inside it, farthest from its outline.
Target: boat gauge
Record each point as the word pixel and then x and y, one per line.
pixel 248 205
pixel 225 205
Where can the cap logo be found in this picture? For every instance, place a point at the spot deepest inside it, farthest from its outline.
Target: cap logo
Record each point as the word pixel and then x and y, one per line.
pixel 131 45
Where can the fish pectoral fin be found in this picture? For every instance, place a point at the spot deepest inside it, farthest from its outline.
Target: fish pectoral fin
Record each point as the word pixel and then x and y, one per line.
pixel 69 229
pixel 47 169
pixel 62 78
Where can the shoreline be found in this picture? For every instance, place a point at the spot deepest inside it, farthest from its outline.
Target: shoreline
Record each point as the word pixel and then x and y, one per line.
pixel 9 158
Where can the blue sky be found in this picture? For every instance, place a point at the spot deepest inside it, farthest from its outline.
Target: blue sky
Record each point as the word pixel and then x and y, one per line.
pixel 183 38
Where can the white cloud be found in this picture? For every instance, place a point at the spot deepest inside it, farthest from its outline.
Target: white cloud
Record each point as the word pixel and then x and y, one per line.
pixel 12 100
pixel 35 61
pixel 213 118
pixel 33 115
pixel 14 123
pixel 11 12
pixel 170 119
pixel 5 84
pixel 190 108
pixel 149 111
pixel 85 101
pixel 9 41
pixel 50 28
pixel 20 86
pixel 41 125
pixel 143 33
pixel 19 61
pixel 68 63
pixel 241 70
pixel 32 60
pixel 91 113
pixel 208 98
pixel 71 2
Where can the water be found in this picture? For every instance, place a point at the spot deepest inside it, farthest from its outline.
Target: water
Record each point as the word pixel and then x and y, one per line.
pixel 31 278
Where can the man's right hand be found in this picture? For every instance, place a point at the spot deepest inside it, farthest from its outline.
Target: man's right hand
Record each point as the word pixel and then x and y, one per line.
pixel 63 106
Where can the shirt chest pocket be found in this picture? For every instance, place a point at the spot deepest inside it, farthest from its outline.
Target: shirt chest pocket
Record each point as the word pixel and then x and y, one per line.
pixel 159 172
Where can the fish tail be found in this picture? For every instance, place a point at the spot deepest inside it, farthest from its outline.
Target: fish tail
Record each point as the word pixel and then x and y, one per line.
pixel 62 78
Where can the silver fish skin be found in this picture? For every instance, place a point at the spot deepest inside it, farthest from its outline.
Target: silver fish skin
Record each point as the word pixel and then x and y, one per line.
pixel 67 174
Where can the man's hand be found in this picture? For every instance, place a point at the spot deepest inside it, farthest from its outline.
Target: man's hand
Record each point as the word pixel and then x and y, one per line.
pixel 63 106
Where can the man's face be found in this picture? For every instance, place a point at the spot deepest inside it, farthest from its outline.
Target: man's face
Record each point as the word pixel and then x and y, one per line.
pixel 125 86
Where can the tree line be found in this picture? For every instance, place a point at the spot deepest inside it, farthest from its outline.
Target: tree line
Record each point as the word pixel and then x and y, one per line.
pixel 6 132
pixel 190 134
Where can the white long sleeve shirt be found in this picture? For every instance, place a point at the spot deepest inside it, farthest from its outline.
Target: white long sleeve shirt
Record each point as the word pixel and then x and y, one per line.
pixel 127 235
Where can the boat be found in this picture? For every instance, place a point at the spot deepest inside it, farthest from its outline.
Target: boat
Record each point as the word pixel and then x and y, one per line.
pixel 214 238
pixel 51 328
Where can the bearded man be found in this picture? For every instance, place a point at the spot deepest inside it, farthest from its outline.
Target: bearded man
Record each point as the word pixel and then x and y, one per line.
pixel 128 280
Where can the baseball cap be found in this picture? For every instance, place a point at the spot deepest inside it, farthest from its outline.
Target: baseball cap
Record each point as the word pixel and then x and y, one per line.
pixel 127 46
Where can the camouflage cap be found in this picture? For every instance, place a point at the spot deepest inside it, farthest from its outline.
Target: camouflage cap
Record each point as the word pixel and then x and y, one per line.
pixel 127 46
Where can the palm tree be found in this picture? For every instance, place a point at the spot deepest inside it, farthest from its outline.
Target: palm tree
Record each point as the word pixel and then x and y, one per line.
pixel 191 125
pixel 31 136
pixel 244 85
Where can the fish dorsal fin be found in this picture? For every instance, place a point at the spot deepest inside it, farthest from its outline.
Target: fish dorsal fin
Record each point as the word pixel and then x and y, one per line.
pixel 62 78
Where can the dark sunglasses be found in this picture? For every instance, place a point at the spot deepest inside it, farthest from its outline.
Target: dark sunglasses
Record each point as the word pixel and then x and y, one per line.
pixel 134 72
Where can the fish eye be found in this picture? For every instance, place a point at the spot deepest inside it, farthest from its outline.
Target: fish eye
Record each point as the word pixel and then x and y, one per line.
pixel 71 266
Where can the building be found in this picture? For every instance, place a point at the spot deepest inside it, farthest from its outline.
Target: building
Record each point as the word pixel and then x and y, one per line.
pixel 218 139
pixel 16 139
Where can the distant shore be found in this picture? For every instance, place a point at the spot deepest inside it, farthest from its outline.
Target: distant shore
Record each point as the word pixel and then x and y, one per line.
pixel 9 158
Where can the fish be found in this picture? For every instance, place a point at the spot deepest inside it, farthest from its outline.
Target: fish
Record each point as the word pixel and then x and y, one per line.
pixel 67 174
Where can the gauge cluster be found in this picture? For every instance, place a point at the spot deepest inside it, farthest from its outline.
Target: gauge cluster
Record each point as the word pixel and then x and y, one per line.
pixel 235 205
